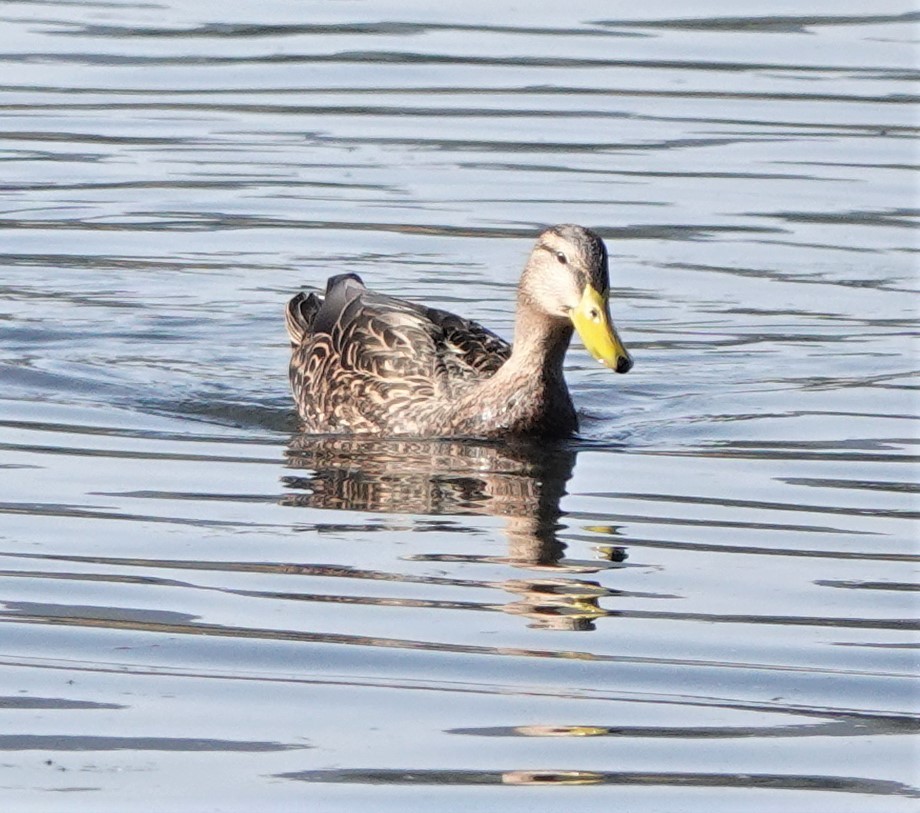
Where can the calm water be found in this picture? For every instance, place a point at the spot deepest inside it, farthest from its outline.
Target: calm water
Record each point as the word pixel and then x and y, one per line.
pixel 708 601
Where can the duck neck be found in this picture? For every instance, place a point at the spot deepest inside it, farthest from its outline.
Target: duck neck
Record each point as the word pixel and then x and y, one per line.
pixel 540 343
pixel 527 395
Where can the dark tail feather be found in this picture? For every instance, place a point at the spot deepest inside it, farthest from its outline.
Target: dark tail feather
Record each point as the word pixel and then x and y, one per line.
pixel 300 315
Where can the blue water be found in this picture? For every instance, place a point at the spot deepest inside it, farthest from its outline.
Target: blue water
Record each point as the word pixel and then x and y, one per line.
pixel 706 601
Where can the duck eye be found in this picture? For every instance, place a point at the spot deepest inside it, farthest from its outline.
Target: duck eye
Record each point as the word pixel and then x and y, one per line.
pixel 561 257
pixel 595 314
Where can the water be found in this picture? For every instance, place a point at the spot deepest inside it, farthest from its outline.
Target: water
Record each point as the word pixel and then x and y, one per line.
pixel 705 602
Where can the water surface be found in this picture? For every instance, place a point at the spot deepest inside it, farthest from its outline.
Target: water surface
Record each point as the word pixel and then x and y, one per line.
pixel 707 601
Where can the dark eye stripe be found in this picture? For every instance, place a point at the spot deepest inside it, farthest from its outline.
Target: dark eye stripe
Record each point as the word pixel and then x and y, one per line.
pixel 557 254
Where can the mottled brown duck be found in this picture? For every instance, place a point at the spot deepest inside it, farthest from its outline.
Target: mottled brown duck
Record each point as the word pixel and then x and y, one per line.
pixel 365 363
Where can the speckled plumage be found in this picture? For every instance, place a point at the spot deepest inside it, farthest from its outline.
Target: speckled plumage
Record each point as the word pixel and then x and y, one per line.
pixel 367 363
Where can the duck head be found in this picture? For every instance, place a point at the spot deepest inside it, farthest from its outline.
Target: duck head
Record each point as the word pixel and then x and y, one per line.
pixel 567 278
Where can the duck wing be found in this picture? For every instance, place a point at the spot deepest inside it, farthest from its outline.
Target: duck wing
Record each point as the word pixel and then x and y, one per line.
pixel 475 351
pixel 359 354
pixel 390 337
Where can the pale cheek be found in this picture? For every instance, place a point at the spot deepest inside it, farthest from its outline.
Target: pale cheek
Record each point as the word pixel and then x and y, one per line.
pixel 569 297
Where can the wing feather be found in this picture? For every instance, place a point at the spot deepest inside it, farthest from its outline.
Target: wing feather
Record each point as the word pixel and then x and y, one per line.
pixel 361 357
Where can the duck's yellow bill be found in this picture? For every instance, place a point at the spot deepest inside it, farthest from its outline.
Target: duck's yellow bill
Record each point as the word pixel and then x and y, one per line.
pixel 593 323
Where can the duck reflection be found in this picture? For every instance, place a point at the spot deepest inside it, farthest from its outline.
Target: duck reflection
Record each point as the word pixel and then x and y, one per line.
pixel 521 481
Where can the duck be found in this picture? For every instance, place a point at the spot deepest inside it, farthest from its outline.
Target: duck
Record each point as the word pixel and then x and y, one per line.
pixel 367 363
